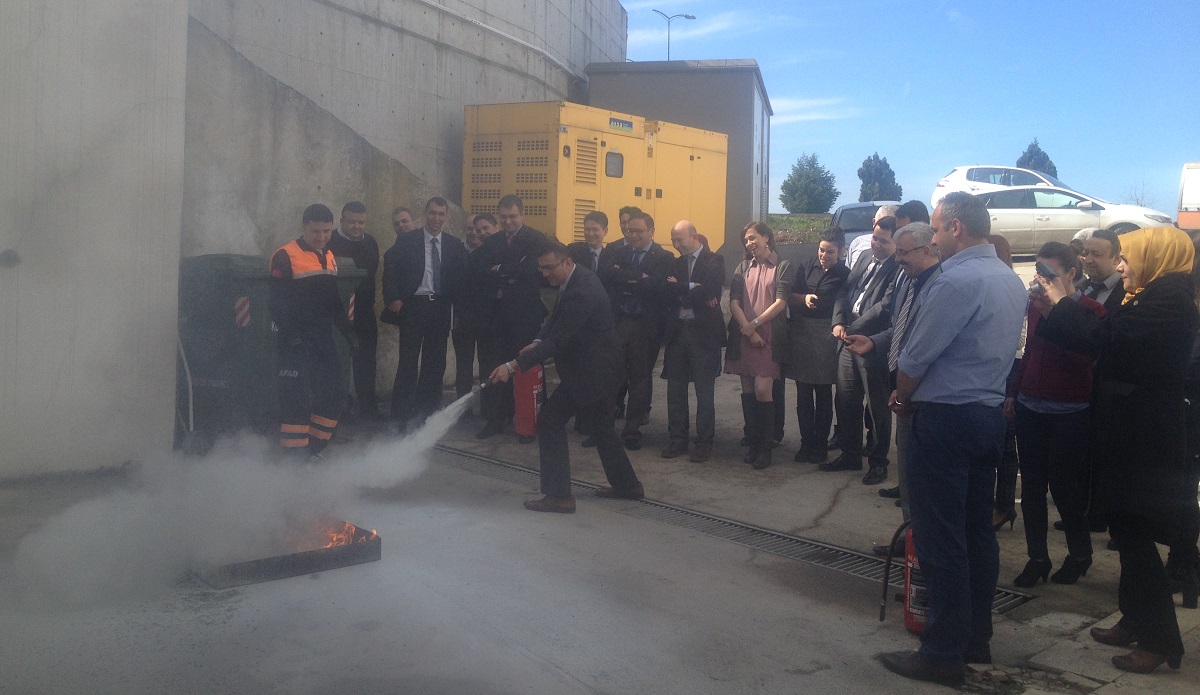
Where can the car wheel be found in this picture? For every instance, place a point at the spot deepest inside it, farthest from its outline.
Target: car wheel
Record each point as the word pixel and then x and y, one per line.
pixel 1119 229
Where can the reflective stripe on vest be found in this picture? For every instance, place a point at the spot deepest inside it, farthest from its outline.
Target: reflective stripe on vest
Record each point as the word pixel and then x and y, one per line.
pixel 306 263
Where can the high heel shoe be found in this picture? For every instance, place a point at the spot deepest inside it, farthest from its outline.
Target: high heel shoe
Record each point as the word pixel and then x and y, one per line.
pixel 999 519
pixel 1034 570
pixel 1142 661
pixel 1072 570
pixel 1115 636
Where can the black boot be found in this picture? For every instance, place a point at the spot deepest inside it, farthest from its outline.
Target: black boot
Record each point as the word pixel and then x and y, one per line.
pixel 747 416
pixel 756 432
pixel 766 418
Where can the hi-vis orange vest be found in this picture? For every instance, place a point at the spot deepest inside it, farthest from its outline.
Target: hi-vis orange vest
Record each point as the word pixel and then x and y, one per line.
pixel 306 263
pixel 307 300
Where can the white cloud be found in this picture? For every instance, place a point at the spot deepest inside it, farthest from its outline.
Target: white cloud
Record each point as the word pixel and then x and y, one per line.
pixel 799 110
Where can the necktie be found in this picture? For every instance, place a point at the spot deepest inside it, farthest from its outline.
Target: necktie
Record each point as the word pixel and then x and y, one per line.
pixel 900 326
pixel 637 258
pixel 691 267
pixel 866 281
pixel 1095 288
pixel 595 260
pixel 436 267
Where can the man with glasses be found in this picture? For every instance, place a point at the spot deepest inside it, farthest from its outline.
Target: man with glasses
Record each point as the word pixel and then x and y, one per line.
pixel 919 262
pixel 1100 251
pixel 860 310
pixel 581 337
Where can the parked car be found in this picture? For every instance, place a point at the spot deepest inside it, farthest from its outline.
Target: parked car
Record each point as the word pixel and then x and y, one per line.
pixel 857 219
pixel 981 179
pixel 1029 216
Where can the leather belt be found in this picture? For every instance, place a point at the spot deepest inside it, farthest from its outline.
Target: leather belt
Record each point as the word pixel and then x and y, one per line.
pixel 430 297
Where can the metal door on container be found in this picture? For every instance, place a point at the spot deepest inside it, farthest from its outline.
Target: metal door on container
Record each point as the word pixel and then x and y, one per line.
pixel 670 188
pixel 622 181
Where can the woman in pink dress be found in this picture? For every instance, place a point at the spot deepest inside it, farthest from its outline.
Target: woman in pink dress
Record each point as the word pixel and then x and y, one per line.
pixel 758 303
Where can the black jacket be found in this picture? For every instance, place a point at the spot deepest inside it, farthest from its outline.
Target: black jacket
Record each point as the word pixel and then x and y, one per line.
pixel 404 265
pixel 624 282
pixel 517 278
pixel 581 336
pixel 1143 348
pixel 873 318
pixel 581 253
pixel 827 285
pixel 709 277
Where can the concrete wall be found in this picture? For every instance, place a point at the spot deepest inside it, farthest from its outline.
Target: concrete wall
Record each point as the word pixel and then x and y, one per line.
pixel 92 144
pixel 399 72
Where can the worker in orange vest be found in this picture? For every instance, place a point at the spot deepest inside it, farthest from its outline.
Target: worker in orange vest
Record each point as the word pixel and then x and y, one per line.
pixel 305 307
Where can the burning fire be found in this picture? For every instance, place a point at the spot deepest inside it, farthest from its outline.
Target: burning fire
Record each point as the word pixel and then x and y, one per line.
pixel 345 533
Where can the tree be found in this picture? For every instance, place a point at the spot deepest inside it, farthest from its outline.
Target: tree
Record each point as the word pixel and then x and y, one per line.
pixel 1035 158
pixel 809 188
pixel 878 180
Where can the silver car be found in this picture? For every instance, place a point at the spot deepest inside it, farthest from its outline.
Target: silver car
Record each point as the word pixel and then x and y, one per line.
pixel 1029 216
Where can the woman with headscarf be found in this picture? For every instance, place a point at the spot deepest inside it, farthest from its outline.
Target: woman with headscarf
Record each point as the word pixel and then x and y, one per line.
pixel 1140 476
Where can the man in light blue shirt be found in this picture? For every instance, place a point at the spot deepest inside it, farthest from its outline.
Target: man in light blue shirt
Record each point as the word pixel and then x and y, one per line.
pixel 951 380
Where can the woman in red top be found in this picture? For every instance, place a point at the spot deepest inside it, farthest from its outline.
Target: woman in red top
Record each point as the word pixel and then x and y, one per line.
pixel 1050 399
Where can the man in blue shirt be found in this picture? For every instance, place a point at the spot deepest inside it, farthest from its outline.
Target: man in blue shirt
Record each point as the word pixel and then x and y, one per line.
pixel 951 380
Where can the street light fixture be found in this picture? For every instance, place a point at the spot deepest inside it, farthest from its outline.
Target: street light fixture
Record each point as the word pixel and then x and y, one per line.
pixel 669 19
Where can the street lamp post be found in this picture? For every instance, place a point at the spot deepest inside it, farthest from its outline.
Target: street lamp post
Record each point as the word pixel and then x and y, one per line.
pixel 669 19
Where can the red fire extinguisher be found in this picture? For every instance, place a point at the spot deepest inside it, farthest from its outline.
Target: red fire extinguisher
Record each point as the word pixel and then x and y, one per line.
pixel 916 595
pixel 528 389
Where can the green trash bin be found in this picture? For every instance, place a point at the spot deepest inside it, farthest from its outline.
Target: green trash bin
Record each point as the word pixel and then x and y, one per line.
pixel 228 359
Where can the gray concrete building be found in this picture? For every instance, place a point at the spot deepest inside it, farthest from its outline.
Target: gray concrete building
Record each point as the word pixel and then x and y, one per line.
pixel 726 96
pixel 140 130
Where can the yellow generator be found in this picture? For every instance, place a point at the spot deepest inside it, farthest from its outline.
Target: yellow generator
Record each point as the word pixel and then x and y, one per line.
pixel 565 160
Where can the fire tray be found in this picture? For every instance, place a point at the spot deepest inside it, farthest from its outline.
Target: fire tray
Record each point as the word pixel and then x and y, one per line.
pixel 347 545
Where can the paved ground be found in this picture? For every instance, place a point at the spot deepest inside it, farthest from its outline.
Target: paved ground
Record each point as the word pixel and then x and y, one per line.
pixel 474 594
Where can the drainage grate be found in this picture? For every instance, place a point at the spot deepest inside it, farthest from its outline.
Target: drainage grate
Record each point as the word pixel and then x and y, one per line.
pixel 781 544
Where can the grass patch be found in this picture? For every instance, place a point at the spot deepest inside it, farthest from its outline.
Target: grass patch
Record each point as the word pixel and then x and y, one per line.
pixel 791 229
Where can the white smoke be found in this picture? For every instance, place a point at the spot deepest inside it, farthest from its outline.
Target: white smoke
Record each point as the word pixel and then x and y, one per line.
pixel 236 503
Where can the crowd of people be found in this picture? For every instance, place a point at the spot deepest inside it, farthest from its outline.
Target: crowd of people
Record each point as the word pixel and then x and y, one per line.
pixel 1086 380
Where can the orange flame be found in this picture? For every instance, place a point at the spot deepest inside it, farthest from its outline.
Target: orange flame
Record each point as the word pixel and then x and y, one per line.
pixel 347 533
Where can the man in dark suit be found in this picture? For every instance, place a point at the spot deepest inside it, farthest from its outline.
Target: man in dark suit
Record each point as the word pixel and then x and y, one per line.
pixel 860 310
pixel 422 273
pixel 581 337
pixel 1100 252
pixel 587 253
pixel 695 334
pixel 508 263
pixel 351 240
pixel 636 279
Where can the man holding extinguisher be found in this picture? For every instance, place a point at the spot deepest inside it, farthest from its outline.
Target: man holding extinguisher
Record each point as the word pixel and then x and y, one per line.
pixel 581 336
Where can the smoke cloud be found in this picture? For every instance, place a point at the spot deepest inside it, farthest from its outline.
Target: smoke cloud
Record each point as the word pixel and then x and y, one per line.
pixel 185 513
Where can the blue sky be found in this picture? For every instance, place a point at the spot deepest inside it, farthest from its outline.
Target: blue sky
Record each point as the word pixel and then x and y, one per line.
pixel 1110 89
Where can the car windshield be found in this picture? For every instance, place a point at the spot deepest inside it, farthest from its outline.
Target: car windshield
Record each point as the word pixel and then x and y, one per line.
pixel 857 219
pixel 1056 182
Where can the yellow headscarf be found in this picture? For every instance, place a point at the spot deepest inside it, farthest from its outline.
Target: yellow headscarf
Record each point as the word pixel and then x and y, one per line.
pixel 1155 252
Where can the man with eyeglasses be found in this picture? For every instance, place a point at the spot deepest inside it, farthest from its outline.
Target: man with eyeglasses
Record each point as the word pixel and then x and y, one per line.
pixel 1100 251
pixel 919 262
pixel 581 336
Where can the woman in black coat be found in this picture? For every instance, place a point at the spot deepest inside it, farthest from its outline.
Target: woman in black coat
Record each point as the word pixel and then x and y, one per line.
pixel 1140 477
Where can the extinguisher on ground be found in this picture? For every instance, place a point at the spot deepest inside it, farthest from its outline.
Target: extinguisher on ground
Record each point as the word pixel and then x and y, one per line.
pixel 528 393
pixel 916 595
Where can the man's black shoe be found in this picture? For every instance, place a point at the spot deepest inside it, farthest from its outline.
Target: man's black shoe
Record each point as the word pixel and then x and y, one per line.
pixel 843 463
pixel 1060 526
pixel 875 476
pixel 491 429
pixel 897 550
pixel 588 442
pixel 978 656
pixel 831 444
pixel 891 493
pixel 911 665
pixel 632 442
pixel 526 438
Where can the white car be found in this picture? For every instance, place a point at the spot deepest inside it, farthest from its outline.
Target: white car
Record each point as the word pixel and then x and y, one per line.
pixel 981 179
pixel 1029 216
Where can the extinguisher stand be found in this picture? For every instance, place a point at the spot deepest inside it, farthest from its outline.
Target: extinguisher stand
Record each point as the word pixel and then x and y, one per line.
pixel 887 569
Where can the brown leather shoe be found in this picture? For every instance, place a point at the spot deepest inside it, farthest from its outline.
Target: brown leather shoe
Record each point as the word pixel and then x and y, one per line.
pixel 634 493
pixel 1142 661
pixel 1115 636
pixel 701 453
pixel 559 505
pixel 675 450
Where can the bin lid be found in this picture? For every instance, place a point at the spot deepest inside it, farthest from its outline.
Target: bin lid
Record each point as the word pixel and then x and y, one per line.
pixel 241 266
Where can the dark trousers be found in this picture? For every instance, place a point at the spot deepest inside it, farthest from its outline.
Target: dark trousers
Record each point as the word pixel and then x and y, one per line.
pixel 1143 595
pixel 311 389
pixel 692 360
pixel 1183 548
pixel 424 328
pixel 814 413
pixel 499 341
pixel 639 347
pixel 953 451
pixel 558 409
pixel 465 338
pixel 859 378
pixel 367 330
pixel 1054 456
